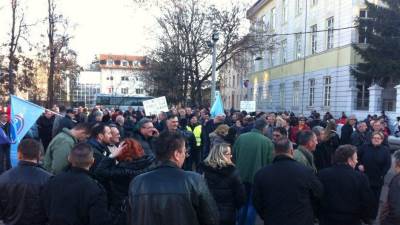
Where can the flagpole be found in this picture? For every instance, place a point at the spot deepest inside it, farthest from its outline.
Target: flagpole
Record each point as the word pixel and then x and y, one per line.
pixel 40 107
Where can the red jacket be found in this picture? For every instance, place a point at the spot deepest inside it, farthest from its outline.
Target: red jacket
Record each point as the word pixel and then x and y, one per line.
pixel 295 130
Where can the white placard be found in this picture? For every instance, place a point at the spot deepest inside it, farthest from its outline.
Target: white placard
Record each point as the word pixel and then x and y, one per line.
pixel 155 106
pixel 248 106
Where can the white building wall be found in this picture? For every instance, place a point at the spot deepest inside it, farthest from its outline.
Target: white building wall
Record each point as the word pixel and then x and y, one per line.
pixel 344 13
pixel 134 83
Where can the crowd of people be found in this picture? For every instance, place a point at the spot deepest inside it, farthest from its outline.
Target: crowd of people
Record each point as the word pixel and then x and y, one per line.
pixel 106 166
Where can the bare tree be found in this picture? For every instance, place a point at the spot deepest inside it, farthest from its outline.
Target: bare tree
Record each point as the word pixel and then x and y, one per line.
pixel 58 40
pixel 18 27
pixel 186 27
pixel 19 73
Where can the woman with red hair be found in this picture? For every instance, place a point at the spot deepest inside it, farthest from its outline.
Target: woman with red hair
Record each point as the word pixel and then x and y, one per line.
pixel 124 163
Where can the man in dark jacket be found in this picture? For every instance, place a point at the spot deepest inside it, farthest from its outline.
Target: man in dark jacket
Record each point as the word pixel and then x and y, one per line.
pixel 390 210
pixel 347 130
pixel 73 197
pixel 57 119
pixel 190 141
pixel 209 127
pixel 67 121
pixel 195 154
pixel 360 136
pixel 284 191
pixel 45 126
pixel 5 161
pixel 145 134
pixel 21 187
pixel 100 139
pixel 169 195
pixel 347 198
pixel 316 121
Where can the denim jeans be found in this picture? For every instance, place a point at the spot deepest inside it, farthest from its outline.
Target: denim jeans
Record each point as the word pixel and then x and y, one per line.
pixel 247 214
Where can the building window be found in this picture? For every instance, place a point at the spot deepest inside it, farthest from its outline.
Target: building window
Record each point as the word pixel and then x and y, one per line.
pixel 124 91
pixel 110 62
pixel 362 35
pixel 363 95
pixel 271 59
pixel 298 46
pixel 110 78
pixel 327 91
pixel 124 63
pixel 284 11
pixel 330 26
pixel 282 95
pixel 125 78
pixel 314 2
pixel 284 51
pixel 314 39
pixel 269 97
pixel 273 19
pixel 139 91
pixel 259 93
pixel 299 7
pixel 233 81
pixel 311 92
pixel 296 93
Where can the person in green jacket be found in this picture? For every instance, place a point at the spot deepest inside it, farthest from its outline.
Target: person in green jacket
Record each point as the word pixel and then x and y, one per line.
pixel 252 151
pixel 307 141
pixel 56 157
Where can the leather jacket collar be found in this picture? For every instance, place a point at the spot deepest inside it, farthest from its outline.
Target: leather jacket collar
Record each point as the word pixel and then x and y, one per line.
pixel 169 163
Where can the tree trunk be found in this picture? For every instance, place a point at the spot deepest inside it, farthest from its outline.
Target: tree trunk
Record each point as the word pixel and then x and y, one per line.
pixel 13 46
pixel 50 80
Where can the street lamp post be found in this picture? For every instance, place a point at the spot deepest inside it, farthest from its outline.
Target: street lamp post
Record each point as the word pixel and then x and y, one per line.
pixel 215 38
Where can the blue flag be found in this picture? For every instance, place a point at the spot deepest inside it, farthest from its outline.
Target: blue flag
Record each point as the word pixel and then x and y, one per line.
pixel 23 115
pixel 218 107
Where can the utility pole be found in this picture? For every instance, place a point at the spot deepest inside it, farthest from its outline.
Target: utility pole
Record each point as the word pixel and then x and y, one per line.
pixel 213 44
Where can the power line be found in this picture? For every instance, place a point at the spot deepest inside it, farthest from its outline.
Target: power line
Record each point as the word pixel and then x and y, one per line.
pixel 302 32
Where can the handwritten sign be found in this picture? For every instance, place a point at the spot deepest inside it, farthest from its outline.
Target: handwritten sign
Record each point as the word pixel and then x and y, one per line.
pixel 248 106
pixel 155 106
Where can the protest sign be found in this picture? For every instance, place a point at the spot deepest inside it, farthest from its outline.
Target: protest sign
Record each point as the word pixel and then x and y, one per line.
pixel 248 106
pixel 155 106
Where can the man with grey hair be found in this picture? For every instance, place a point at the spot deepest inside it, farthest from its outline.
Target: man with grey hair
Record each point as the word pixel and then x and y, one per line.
pixel 322 157
pixel 389 213
pixel 145 134
pixel 360 136
pixel 119 122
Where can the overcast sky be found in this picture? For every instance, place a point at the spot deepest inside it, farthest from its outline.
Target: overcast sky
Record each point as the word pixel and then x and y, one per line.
pixel 101 26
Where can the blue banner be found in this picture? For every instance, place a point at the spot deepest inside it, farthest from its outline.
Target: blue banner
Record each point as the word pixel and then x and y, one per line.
pixel 23 115
pixel 218 107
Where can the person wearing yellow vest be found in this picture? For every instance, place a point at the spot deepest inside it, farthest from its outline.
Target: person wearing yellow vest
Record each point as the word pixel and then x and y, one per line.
pixel 195 128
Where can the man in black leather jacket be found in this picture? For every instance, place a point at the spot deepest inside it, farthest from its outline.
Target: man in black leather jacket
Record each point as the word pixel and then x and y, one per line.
pixel 21 187
pixel 168 194
pixel 73 196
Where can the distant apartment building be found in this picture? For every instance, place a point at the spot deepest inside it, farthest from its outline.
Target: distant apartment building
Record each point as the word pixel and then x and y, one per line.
pixel 111 74
pixel 310 67
pixel 122 74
